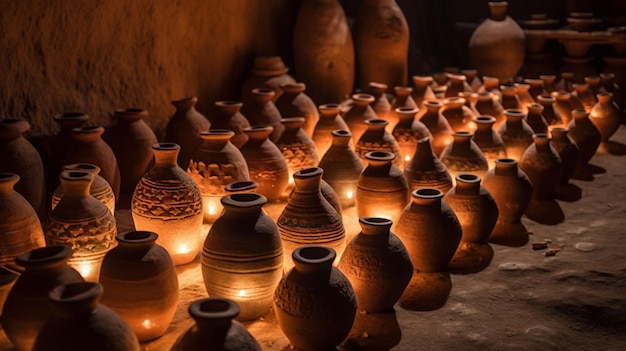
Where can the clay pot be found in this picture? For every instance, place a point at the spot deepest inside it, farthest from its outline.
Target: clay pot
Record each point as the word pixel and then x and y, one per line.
pixel 471 76
pixel 459 116
pixel 242 257
pixel 330 120
pixel 266 164
pixel 457 83
pixel 324 51
pixel 381 104
pixel 536 87
pixel 497 46
pixel 403 98
pixel 586 135
pixel 516 134
pixel 608 83
pixel 80 322
pixel 584 95
pixel 438 126
pixel 594 85
pixel 83 222
pixel 549 113
pixel 168 202
pixel 7 279
pixel 240 187
pixel 606 116
pixel 491 85
pixel 510 100
pixel 308 218
pixel 267 72
pixel 296 146
pixel 535 119
pixel 379 283
pixel 549 82
pixel 214 165
pixel 407 132
pixel 100 188
pixel 140 284
pixel 464 156
pixel 226 115
pixel 19 224
pixel 260 110
pixel 66 121
pixel 382 190
pixel 215 329
pixel 26 308
pixel 425 170
pixel 563 106
pixel 376 138
pixel 488 140
pixel 359 112
pixel 422 91
pixel 477 212
pixel 522 90
pixel 342 167
pixel 487 105
pixel 295 103
pixel 568 151
pixel 325 294
pixel 184 128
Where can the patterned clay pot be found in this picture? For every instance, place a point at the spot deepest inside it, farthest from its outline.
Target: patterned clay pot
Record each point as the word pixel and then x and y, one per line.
pixel 267 72
pixel 568 151
pixel 606 116
pixel 549 113
pixel 459 116
pixel 464 156
pixel 296 146
pixel 586 135
pixel 488 105
pixel 226 115
pixel 377 138
pixel 100 188
pixel 535 118
pixel 488 140
pixel 516 134
pixel 260 110
pixel 425 170
pixel 295 103
pixel 342 167
pixel 359 112
pixel 184 128
pixel 407 132
pixel 438 126
pixel 330 120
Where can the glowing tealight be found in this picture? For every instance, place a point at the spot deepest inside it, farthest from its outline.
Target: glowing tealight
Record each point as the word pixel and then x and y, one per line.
pixel 407 158
pixel 349 194
pixel 146 324
pixel 85 269
pixel 212 209
pixel 242 293
pixel 183 249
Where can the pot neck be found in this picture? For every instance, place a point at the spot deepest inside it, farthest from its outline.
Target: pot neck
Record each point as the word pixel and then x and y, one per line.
pixel 76 184
pixel 185 104
pixel 375 226
pixel 165 154
pixel 498 10
pixel 341 138
pixel 506 167
pixel 308 180
pixel 7 182
pixel 467 184
pixel 130 115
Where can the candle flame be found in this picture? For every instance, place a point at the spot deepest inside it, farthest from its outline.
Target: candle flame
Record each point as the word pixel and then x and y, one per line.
pixel 212 209
pixel 147 324
pixel 85 269
pixel 349 194
pixel 183 249
pixel 242 293
pixel 407 158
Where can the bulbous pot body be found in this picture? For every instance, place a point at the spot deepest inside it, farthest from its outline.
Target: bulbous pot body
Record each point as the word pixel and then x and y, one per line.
pixel 425 170
pixel 358 113
pixel 260 110
pixel 585 134
pixel 296 146
pixel 184 128
pixel 606 115
pixel 438 126
pixel 543 166
pixel 568 152
pixel 488 140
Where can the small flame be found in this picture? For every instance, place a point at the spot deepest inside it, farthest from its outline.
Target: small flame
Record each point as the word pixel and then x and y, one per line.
pixel 349 194
pixel 85 269
pixel 212 209
pixel 183 249
pixel 407 158
pixel 147 324
pixel 242 293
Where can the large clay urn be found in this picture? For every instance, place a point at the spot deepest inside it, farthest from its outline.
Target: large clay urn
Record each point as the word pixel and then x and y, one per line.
pixel 488 105
pixel 226 115
pixel 100 188
pixel 184 128
pixel 267 72
pixel 324 51
pixel 80 322
pixel 516 134
pixel 342 167
pixel 606 115
pixel 242 256
pixel 215 329
pixel 567 149
pixel 425 170
pixel 325 296
pixel 377 138
pixel 438 126
pixel 497 46
pixel 140 284
pixel 379 283
pixel 488 140
pixel 586 135
pixel 459 116
pixel 407 132
pixel 295 103
pixel 330 119
pixel 260 110
pixel 464 156
pixel 358 113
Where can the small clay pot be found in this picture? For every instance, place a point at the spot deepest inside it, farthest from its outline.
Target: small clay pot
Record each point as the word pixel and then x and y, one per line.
pixel 606 115
pixel 567 149
pixel 488 105
pixel 407 132
pixel 330 119
pixel 296 146
pixel 359 112
pixel 227 115
pixel 437 125
pixel 459 116
pixel 260 110
pixel 100 188
pixel 422 91
pixel 184 128
pixel 295 103
pixel 535 118
pixel 267 72
pixel 342 167
pixel 464 156
pixel 376 138
pixel 488 140
pixel 516 134
pixel 425 170
pixel 550 114
pixel 586 135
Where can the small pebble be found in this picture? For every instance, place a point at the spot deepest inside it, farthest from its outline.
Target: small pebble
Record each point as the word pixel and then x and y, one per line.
pixel 585 246
pixel 513 266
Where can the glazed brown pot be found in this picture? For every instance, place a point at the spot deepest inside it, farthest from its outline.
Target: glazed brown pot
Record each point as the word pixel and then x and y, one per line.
pixel 342 167
pixel 260 110
pixel 296 103
pixel 184 128
pixel 330 120
pixel 100 188
pixel 226 115
pixel 267 72
pixel 425 170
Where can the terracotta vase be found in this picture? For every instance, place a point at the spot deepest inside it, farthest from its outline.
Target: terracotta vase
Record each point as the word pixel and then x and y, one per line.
pixel 381 104
pixel 512 190
pixel 585 95
pixel 26 308
pixel 459 116
pixel 606 116
pixel 359 112
pixel 87 146
pixel 184 128
pixel 381 43
pixel 168 202
pixel 563 106
pixel 308 218
pixel 240 187
pixel 422 91
pixel 425 170
pixel 82 221
pixel 266 163
pixel 377 138
pixel 549 82
pixel 535 118
pixel 568 152
pixel 330 119
pixel 487 105
pixel 522 90
pixel 382 190
pixel 295 103
pixel 267 72
pixel 296 146
pixel 516 134
pixel 438 126
pixel 324 51
pixel 544 168
pixel 431 233
pixel 536 87
pixel 19 224
pixel 20 157
pixel 242 257
pixel 260 110
pixel 100 188
pixel 407 132
pixel 510 100
pixel 477 212
pixel 378 284
pixel 140 284
pixel 457 83
pixel 80 322
pixel 464 156
pixel 497 45
pixel 586 135
pixel 471 76
pixel 342 167
pixel 608 82
pixel 488 140
pixel 66 122
pixel 226 115
pixel 215 329
pixel 550 114
pixel 324 294
pixel 403 98
pixel 214 165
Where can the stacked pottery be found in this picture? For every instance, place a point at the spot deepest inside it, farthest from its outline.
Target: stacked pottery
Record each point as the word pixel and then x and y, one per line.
pixel 535 118
pixel 550 114
pixel 168 202
pixel 100 188
pixel 359 112
pixel 606 116
pixel 140 284
pixel 342 167
pixel 464 156
pixel 431 233
pixel 215 329
pixel 242 257
pixel 488 140
pixel 184 128
pixel 226 115
pixel 296 146
pixel 425 170
pixel 459 116
pixel 324 295
pixel 330 120
pixel 295 103
pixel 516 134
pixel 260 110
pixel 487 105
pixel 407 132
pixel 477 212
pixel 567 149
pixel 377 138
pixel 267 72
pixel 587 137
pixel 437 125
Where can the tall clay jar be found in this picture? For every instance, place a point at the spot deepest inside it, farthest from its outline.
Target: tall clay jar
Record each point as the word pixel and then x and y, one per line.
pixel 488 140
pixel 20 157
pixel 438 126
pixel 425 170
pixel 83 222
pixel 295 103
pixel 382 190
pixel 516 134
pixel 184 128
pixel 242 257
pixel 477 212
pixel 226 115
pixel 267 72
pixel 342 167
pixel 265 163
pixel 131 132
pixel 330 120
pixel 407 132
pixel 606 115
pixel 168 202
pixel 260 110
pixel 431 233
pixel 324 51
pixel 80 322
pixel 26 308
pixel 100 188
pixel 19 224
pixel 308 218
pixel 567 149
pixel 497 46
pixel 214 328
pixel 464 156
pixel 377 138
pixel 378 284
pixel 140 284
pixel 381 42
pixel 586 135
pixel 324 294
